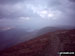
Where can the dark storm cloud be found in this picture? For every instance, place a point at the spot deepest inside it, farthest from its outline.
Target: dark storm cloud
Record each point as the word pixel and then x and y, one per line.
pixel 10 1
pixel 72 1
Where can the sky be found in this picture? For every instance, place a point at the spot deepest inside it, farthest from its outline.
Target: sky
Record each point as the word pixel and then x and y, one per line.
pixel 36 14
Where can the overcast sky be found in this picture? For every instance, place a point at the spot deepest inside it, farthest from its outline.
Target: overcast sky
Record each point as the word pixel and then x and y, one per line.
pixel 37 13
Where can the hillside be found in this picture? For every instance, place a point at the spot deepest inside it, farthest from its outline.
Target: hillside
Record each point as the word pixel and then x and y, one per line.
pixel 48 44
pixel 12 36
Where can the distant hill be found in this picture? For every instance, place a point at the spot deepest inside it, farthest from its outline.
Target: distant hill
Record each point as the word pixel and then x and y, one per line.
pixel 46 30
pixel 55 28
pixel 48 44
pixel 66 27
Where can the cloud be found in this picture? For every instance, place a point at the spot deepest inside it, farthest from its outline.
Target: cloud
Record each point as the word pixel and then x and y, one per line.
pixel 10 1
pixel 72 1
pixel 19 8
pixel 14 9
